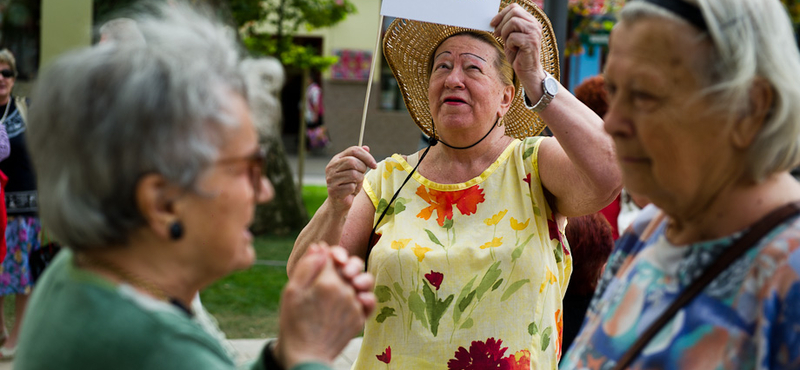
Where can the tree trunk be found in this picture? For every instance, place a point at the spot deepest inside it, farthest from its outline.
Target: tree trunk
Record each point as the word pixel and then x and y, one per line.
pixel 286 212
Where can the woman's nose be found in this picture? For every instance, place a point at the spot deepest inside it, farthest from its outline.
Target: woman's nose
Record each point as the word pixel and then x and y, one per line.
pixel 266 193
pixel 616 122
pixel 455 79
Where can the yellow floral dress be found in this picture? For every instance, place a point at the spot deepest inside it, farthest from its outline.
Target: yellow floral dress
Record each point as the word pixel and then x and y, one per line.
pixel 470 275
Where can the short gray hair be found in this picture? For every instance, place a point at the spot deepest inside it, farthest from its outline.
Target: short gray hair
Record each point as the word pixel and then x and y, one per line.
pixel 104 116
pixel 750 39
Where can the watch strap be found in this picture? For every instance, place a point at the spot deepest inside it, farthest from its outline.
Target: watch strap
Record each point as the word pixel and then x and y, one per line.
pixel 540 105
pixel 544 100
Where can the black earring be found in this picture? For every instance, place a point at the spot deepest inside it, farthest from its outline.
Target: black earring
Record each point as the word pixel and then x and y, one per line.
pixel 176 230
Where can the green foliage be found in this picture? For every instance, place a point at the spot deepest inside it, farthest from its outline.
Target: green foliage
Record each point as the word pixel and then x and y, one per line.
pixel 288 53
pixel 284 18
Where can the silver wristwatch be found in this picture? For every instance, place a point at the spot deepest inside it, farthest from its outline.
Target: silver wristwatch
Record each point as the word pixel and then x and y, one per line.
pixel 549 91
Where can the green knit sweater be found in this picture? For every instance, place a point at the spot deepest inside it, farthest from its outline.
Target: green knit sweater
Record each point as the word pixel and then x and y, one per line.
pixel 78 320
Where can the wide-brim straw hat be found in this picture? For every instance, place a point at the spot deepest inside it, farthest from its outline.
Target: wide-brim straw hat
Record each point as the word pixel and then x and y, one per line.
pixel 408 46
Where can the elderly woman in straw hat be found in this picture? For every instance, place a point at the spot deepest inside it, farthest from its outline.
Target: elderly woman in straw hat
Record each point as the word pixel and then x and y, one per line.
pixel 703 110
pixel 149 166
pixel 465 238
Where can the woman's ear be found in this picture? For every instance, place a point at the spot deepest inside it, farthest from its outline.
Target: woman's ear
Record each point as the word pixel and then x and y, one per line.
pixel 755 115
pixel 155 198
pixel 508 97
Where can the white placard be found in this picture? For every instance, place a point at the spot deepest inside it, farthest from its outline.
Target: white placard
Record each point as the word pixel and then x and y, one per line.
pixel 462 13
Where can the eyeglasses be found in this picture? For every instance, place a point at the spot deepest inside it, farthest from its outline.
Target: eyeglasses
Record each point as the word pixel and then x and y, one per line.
pixel 255 163
pixel 6 73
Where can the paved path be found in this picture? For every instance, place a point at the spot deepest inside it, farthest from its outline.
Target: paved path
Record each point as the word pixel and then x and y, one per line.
pixel 250 348
pixel 313 168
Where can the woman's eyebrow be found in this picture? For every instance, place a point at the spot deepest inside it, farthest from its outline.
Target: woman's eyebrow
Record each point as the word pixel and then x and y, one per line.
pixel 474 55
pixel 470 54
pixel 440 54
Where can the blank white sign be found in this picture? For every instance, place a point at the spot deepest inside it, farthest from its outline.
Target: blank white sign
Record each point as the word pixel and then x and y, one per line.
pixel 474 14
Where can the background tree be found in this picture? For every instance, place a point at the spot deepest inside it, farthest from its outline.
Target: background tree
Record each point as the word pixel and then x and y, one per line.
pixel 267 28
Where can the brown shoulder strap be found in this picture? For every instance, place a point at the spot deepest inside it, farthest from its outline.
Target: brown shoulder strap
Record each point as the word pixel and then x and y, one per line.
pixel 758 231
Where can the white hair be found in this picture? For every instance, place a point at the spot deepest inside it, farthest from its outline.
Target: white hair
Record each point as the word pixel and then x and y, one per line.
pixel 750 39
pixel 104 116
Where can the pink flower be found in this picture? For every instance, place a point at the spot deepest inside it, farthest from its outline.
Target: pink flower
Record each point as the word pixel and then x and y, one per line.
pixel 435 278
pixel 386 356
pixel 527 179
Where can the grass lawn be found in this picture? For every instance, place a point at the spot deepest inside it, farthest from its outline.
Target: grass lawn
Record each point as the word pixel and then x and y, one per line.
pixel 313 196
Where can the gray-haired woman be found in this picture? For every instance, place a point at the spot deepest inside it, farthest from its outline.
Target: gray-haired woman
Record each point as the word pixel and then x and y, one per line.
pixel 703 110
pixel 150 168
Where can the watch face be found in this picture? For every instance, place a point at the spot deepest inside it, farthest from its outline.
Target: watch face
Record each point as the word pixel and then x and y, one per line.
pixel 551 85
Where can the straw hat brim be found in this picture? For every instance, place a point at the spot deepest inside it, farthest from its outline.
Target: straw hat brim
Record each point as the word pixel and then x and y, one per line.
pixel 408 46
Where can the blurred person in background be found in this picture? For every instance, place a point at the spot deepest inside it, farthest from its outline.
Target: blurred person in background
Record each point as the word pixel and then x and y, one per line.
pixel 590 240
pixel 623 210
pixel 22 233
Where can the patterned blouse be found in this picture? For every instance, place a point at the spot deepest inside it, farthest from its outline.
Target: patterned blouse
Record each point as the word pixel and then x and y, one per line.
pixel 747 318
pixel 469 275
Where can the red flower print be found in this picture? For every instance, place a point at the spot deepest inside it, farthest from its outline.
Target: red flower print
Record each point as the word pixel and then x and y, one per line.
pixel 375 239
pixel 386 356
pixel 552 227
pixel 527 179
pixel 435 278
pixel 442 202
pixel 520 360
pixel 480 356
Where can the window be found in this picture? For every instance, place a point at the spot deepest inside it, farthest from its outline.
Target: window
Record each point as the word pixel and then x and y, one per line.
pixel 391 98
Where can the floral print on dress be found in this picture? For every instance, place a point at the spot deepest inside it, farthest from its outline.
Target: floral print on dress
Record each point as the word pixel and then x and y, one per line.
pixel 386 356
pixel 442 202
pixel 455 259
pixel 748 322
pixel 489 355
pixel 22 237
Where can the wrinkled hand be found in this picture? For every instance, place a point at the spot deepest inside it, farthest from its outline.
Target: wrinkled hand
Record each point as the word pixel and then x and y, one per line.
pixel 324 305
pixel 344 175
pixel 521 33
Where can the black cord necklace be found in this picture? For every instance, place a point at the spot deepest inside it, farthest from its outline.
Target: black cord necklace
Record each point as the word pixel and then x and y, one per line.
pixel 462 147
pixel 431 142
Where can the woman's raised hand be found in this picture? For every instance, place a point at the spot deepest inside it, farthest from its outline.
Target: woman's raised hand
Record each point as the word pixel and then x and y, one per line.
pixel 522 35
pixel 344 175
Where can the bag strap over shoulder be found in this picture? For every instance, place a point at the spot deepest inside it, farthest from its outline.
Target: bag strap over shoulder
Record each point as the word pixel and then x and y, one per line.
pixel 748 240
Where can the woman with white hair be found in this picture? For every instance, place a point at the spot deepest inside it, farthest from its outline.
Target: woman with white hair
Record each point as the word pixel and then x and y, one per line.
pixel 150 167
pixel 703 110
